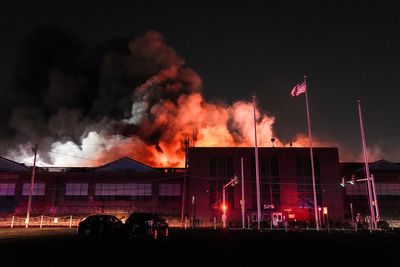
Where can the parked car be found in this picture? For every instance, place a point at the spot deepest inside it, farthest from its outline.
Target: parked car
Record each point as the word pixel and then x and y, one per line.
pixel 142 224
pixel 101 225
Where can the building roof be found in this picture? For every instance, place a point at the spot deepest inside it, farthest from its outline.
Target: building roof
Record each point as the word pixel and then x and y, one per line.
pixel 11 166
pixel 125 165
pixel 384 165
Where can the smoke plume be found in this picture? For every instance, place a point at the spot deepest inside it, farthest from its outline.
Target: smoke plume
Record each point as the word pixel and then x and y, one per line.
pixel 87 105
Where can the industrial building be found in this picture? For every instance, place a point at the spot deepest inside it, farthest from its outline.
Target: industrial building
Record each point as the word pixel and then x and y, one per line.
pixel 195 194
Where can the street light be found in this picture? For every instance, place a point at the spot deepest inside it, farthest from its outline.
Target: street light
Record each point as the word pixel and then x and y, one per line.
pixel 234 181
pixel 373 204
pixel 344 182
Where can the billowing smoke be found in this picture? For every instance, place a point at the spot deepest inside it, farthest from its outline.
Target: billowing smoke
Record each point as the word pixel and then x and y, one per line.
pixel 88 105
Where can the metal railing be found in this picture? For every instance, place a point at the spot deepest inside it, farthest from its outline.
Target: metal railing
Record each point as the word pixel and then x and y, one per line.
pixel 41 221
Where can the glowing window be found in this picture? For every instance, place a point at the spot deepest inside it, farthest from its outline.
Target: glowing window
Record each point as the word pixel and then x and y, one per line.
pixel 38 189
pixel 76 189
pixel 169 190
pixel 7 189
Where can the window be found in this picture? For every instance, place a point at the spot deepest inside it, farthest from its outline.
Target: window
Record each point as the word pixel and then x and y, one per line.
pixel 38 189
pixel 269 181
pixel 7 191
pixel 360 189
pixel 123 192
pixel 221 166
pixel 303 166
pixel 357 189
pixel 76 191
pixel 169 191
pixel 305 194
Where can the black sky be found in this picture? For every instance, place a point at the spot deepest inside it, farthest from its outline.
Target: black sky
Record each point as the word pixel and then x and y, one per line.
pixel 348 51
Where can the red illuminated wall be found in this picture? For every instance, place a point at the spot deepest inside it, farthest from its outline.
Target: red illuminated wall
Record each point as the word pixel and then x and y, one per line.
pixel 199 184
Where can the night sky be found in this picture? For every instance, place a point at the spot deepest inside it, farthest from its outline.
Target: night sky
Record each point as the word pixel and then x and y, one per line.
pixel 245 48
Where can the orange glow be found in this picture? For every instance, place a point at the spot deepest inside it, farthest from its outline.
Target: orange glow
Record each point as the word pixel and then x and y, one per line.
pixel 210 124
pixel 224 208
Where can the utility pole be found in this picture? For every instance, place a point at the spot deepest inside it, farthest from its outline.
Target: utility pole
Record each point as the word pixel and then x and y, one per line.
pixel 28 210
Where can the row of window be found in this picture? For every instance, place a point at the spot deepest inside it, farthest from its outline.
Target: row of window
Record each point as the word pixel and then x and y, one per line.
pixel 269 166
pixel 101 189
pixel 269 176
pixel 381 189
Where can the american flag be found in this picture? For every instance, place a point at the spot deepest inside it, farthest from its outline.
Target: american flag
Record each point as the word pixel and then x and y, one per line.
pixel 299 89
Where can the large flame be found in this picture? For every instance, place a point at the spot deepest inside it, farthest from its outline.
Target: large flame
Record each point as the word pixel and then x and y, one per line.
pixel 205 123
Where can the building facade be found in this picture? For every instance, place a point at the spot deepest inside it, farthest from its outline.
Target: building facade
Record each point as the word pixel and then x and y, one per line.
pixel 387 182
pixel 285 184
pixel 120 187
pixel 125 185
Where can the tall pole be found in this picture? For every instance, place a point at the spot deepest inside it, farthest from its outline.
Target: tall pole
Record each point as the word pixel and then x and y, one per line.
pixel 365 154
pixel 257 168
pixel 312 159
pixel 243 201
pixel 185 181
pixel 28 210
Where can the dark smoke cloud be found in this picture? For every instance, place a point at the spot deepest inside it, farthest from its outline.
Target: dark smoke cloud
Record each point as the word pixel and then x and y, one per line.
pixel 62 88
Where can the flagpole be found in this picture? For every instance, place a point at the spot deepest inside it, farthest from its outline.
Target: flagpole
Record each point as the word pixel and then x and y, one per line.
pixel 257 168
pixel 312 158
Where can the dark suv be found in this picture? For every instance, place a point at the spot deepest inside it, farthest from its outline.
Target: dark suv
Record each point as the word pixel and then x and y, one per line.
pixel 141 224
pixel 101 225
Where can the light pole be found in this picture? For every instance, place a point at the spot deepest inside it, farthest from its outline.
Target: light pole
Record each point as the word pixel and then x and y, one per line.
pixel 242 202
pixel 234 181
pixel 373 200
pixel 257 167
pixel 377 214
pixel 28 210
pixel 365 153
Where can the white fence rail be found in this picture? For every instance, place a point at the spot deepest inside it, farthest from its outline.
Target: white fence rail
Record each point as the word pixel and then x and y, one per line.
pixel 41 221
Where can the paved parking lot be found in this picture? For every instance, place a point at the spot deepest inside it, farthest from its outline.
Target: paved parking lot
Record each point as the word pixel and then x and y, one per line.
pixel 62 247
